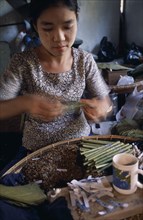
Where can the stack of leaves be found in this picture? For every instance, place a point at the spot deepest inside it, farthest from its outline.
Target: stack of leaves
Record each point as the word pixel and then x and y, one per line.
pixel 129 128
pixel 29 194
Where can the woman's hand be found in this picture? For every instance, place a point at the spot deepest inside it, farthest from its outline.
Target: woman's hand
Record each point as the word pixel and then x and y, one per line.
pixel 97 109
pixel 43 108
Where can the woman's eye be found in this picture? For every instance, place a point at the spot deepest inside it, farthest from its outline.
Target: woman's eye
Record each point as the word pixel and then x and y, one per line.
pixel 47 29
pixel 67 27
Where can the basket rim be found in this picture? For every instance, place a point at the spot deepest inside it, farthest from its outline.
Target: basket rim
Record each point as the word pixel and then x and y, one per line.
pixel 126 88
pixel 18 166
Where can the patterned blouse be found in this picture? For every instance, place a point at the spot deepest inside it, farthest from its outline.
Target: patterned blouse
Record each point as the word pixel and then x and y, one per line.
pixel 26 76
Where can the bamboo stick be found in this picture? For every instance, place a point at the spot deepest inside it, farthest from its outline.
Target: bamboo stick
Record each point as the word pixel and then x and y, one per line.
pixel 92 145
pixel 113 150
pixel 109 164
pixel 100 151
pixel 97 141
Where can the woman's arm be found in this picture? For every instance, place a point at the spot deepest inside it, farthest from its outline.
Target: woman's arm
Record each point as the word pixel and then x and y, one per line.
pixel 11 107
pixel 36 106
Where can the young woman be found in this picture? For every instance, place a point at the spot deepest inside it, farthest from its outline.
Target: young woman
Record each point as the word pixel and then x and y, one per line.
pixel 48 81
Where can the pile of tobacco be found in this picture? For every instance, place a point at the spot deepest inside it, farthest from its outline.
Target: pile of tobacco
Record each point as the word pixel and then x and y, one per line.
pixel 54 168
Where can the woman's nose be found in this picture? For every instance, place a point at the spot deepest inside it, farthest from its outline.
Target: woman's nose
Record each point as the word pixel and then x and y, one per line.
pixel 59 35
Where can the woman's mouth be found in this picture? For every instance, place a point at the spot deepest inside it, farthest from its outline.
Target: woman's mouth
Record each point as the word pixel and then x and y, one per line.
pixel 60 48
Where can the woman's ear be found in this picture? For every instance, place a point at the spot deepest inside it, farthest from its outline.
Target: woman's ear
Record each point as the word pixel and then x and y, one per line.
pixel 34 26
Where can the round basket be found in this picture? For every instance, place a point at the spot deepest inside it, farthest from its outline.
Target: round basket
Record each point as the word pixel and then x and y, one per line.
pixel 134 212
pixel 18 166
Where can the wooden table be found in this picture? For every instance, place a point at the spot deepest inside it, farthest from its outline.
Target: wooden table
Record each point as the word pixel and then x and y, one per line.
pixel 135 202
pixel 135 208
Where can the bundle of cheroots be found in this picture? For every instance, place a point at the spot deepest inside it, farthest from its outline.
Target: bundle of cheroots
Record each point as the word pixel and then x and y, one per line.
pixel 56 167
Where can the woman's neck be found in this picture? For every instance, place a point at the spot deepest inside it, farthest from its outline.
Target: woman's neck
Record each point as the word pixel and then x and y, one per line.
pixel 55 64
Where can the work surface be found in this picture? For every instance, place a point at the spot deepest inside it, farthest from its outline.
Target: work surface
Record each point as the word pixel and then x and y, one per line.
pixel 135 207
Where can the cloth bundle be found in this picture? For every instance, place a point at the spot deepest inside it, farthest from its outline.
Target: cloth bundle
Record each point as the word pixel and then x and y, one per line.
pixel 29 202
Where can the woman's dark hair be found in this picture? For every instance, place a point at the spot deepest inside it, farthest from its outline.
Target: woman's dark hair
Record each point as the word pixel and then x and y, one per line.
pixel 38 6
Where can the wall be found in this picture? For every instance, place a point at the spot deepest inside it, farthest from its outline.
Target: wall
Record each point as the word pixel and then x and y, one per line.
pixel 9 16
pixel 98 18
pixel 8 32
pixel 134 21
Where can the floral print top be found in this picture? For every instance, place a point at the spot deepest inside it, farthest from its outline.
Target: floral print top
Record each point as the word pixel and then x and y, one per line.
pixel 25 75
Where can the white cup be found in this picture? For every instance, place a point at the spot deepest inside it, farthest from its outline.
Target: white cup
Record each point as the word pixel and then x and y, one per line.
pixel 125 173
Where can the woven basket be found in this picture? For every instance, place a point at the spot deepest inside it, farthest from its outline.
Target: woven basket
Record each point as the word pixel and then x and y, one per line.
pixel 137 215
pixel 17 167
pixel 127 88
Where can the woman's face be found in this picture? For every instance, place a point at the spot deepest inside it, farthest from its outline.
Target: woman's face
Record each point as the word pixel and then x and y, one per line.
pixel 57 28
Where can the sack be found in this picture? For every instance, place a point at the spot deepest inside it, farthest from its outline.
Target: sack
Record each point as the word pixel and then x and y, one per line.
pixel 130 108
pixel 107 51
pixel 134 55
pixel 137 72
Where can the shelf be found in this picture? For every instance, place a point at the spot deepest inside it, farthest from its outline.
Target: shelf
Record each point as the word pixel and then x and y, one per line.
pixel 21 6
